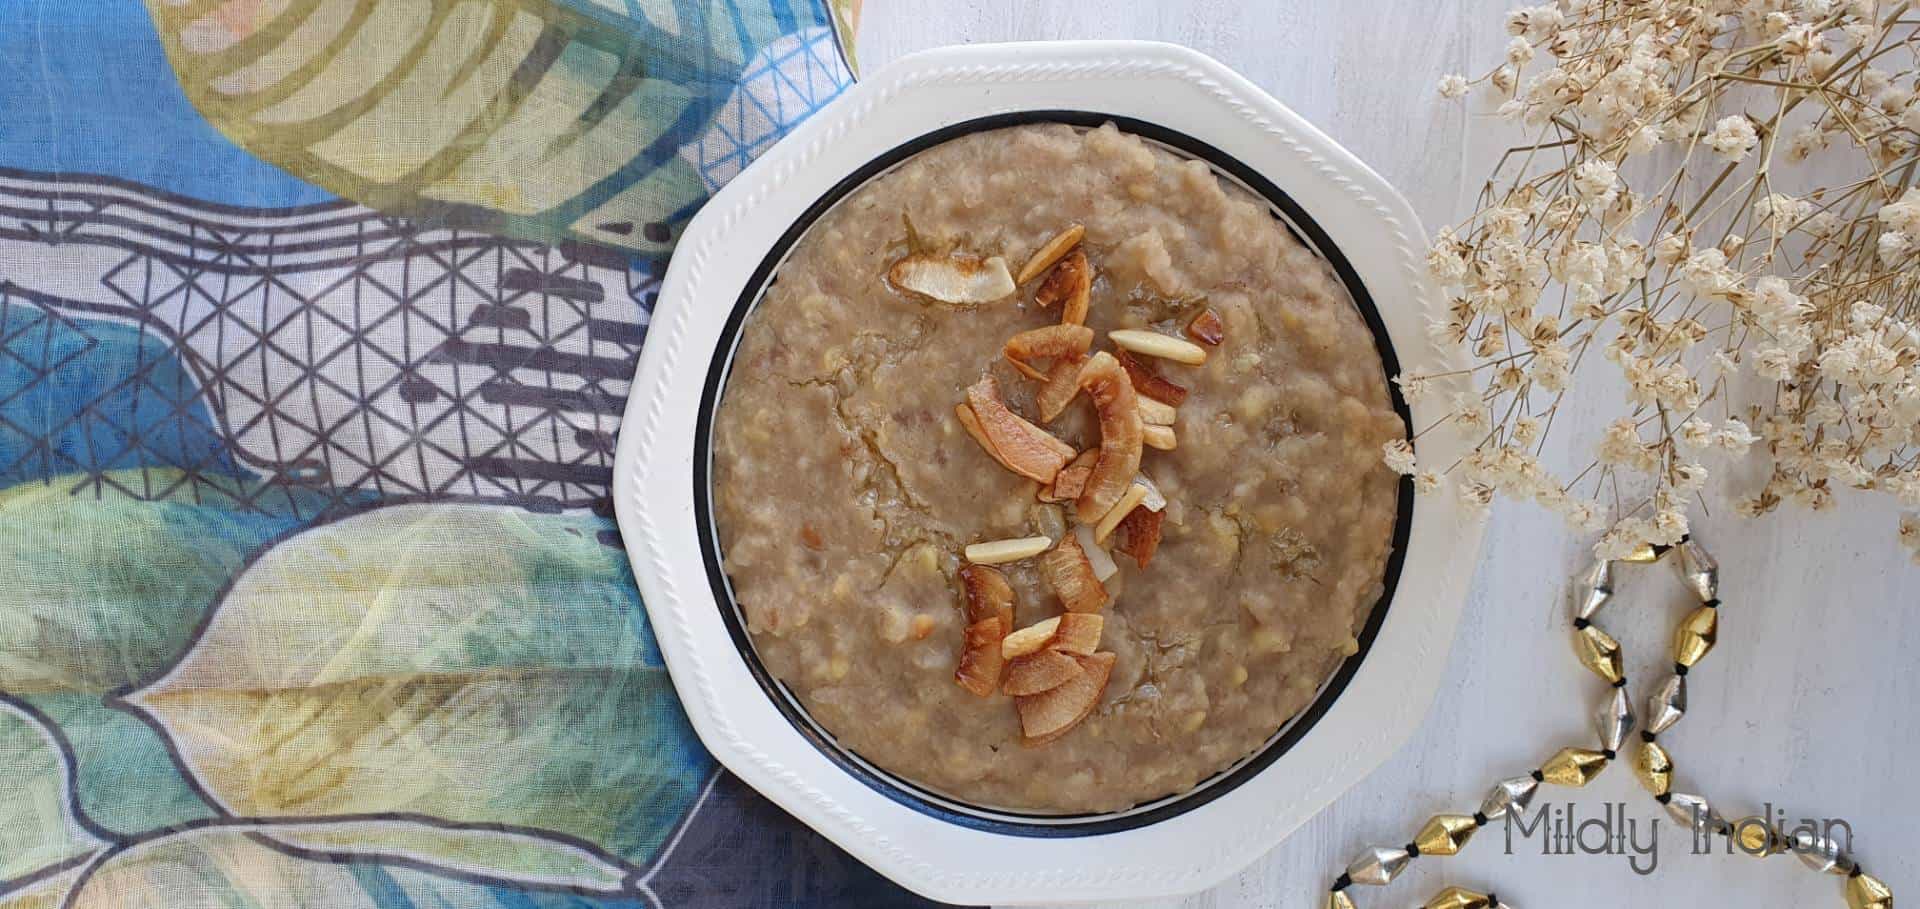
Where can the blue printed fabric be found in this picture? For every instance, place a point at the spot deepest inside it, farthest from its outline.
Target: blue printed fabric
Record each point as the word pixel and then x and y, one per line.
pixel 317 318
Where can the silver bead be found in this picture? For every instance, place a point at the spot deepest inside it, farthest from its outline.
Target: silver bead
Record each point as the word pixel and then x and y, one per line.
pixel 1821 853
pixel 1691 810
pixel 1509 796
pixel 1378 866
pixel 1667 704
pixel 1614 719
pixel 1699 570
pixel 1592 589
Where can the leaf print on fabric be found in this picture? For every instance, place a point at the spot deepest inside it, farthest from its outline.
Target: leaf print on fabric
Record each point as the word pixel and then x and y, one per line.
pixel 39 834
pixel 103 588
pixel 474 663
pixel 124 779
pixel 504 856
pixel 48 892
pixel 539 118
pixel 250 866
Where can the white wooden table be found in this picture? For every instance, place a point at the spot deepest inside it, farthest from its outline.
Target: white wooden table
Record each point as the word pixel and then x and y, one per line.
pixel 1809 701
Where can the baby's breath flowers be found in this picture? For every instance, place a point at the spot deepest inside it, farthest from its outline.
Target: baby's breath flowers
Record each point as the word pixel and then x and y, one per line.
pixel 1717 198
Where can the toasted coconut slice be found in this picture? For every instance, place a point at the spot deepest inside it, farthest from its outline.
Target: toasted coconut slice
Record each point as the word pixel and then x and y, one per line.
pixel 989 596
pixel 1120 435
pixel 1156 413
pixel 959 279
pixel 1048 342
pixel 1047 716
pixel 1070 283
pixel 1031 639
pixel 1037 672
pixel 1140 534
pixel 1060 388
pixel 1129 500
pixel 1020 366
pixel 1022 447
pixel 1067 571
pixel 1160 437
pixel 1072 479
pixel 1207 328
pixel 999 552
pixel 1155 344
pixel 1050 252
pixel 1075 312
pixel 1147 380
pixel 971 423
pixel 980 659
pixel 1078 633
pixel 997 421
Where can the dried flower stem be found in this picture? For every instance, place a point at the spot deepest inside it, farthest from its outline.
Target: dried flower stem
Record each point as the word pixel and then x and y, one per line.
pixel 1650 202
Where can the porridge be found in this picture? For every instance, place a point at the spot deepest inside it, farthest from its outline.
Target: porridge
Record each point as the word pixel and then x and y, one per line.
pixel 1047 473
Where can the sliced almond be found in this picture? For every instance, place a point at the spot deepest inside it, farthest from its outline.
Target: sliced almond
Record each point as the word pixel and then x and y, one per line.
pixel 1067 570
pixel 1078 633
pixel 959 279
pixel 1207 328
pixel 1107 384
pixel 1020 446
pixel 1037 672
pixel 1103 565
pixel 1160 437
pixel 1129 500
pixel 999 552
pixel 1070 278
pixel 980 659
pixel 1140 534
pixel 1154 500
pixel 1031 639
pixel 1072 479
pixel 1047 716
pixel 1155 344
pixel 1157 413
pixel 1148 381
pixel 989 596
pixel 1050 252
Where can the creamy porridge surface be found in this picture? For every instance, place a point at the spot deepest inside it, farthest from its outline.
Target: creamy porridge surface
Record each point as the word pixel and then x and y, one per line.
pixel 846 489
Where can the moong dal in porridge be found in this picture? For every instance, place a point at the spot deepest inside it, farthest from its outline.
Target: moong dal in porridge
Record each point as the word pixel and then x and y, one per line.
pixel 1047 473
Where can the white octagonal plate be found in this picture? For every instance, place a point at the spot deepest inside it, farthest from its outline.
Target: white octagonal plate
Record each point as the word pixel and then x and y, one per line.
pixel 934 845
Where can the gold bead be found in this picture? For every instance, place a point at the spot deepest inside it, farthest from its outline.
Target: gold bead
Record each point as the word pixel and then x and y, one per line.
pixel 1696 635
pixel 1458 898
pixel 1758 839
pixel 1644 553
pixel 1444 834
pixel 1864 891
pixel 1654 768
pixel 1599 652
pixel 1338 899
pixel 1573 767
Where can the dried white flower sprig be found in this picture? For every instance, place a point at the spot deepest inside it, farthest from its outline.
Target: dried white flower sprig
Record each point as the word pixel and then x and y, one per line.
pixel 1664 218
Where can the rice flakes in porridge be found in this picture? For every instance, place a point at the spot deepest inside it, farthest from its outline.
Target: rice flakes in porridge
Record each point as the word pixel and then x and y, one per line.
pixel 900 394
